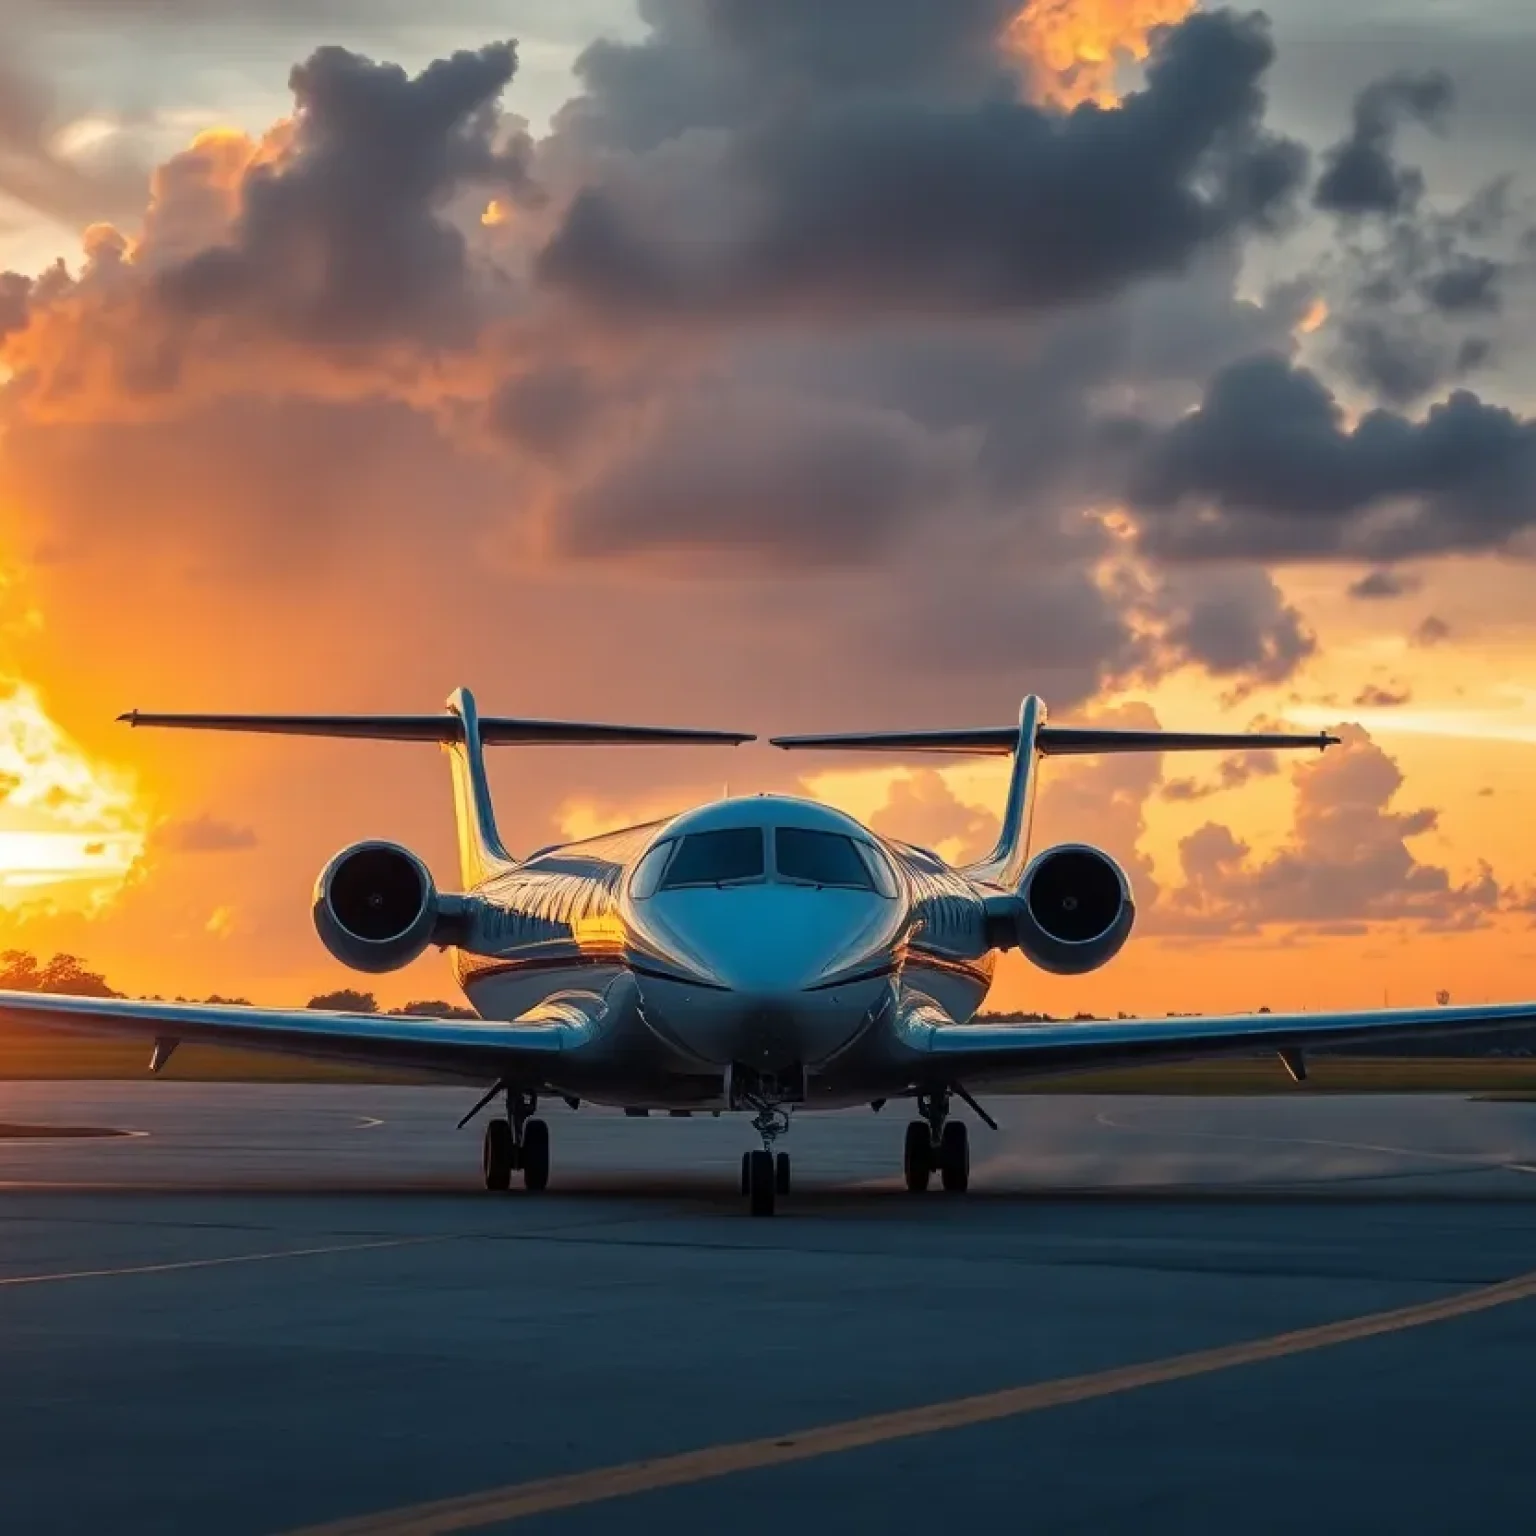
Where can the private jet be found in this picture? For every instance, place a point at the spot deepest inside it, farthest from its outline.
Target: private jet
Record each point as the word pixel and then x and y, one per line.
pixel 763 954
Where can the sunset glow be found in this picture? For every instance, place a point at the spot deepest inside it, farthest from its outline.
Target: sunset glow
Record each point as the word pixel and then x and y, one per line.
pixel 1076 48
pixel 849 387
pixel 70 828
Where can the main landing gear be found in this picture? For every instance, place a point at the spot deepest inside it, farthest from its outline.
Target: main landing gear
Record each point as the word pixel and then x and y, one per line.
pixel 517 1144
pixel 936 1145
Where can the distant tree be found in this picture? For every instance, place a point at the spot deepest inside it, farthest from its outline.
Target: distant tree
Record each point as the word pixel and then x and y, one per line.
pixel 431 1009
pixel 1442 997
pixel 345 1001
pixel 21 972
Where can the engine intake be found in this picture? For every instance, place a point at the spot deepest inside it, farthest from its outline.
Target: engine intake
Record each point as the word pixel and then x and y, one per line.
pixel 1074 910
pixel 377 908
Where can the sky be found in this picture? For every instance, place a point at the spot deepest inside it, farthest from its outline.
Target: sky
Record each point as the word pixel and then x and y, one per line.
pixel 776 368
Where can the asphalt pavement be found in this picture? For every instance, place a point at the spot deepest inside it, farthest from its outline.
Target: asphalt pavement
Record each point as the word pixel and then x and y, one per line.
pixel 269 1309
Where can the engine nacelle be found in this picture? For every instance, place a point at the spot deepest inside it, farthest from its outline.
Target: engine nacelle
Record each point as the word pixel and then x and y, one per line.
pixel 1074 910
pixel 376 907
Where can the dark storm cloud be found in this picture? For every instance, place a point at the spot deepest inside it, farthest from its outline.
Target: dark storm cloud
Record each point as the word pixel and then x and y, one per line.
pixel 1360 175
pixel 810 483
pixel 1236 624
pixel 885 201
pixel 344 241
pixel 1267 468
pixel 718 63
pixel 1384 584
pixel 548 409
pixel 1421 288
pixel 1469 283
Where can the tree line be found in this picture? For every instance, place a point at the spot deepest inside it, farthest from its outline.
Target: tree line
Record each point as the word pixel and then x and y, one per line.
pixel 21 971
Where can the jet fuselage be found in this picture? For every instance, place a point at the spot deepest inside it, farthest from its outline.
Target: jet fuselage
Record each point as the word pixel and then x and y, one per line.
pixel 767 934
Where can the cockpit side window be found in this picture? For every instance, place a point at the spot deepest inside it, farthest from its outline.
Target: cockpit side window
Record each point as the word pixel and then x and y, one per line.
pixel 648 871
pixel 726 857
pixel 880 870
pixel 820 858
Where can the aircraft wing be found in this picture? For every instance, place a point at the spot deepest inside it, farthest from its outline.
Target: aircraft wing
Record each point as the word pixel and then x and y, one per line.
pixel 466 1049
pixel 976 1052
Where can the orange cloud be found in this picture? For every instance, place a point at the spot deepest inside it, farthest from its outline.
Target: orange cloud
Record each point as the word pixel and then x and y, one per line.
pixel 1074 49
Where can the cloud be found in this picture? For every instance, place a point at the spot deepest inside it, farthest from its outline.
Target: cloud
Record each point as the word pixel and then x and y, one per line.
pixel 921 808
pixel 811 482
pixel 1431 630
pixel 1421 289
pixel 340 241
pixel 1347 860
pixel 1360 175
pixel 1233 772
pixel 35 169
pixel 15 296
pixel 868 200
pixel 202 834
pixel 1385 583
pixel 1375 696
pixel 1235 623
pixel 1267 468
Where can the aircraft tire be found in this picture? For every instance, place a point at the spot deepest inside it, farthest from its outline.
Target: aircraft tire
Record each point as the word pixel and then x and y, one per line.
pixel 762 1190
pixel 781 1173
pixel 917 1156
pixel 535 1158
pixel 496 1155
pixel 746 1173
pixel 955 1157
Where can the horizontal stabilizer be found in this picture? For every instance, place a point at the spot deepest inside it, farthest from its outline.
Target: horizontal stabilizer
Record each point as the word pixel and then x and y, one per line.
pixel 1053 741
pixel 495 731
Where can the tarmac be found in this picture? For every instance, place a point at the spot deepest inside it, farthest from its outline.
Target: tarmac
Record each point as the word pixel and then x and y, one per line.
pixel 269 1310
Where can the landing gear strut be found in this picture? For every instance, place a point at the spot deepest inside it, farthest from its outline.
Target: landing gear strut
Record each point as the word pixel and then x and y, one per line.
pixel 517 1143
pixel 764 1176
pixel 936 1144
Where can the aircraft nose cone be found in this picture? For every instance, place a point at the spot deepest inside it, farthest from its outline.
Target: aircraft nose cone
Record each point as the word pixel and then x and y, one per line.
pixel 762 956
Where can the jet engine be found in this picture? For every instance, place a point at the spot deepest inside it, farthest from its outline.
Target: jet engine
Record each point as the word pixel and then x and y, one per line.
pixel 1074 910
pixel 377 908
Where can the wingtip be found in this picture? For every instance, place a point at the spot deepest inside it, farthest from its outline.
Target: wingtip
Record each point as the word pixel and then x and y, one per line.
pixel 130 719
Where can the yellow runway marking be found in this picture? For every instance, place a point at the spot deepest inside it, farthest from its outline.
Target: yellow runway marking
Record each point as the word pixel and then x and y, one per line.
pixel 234 1258
pixel 518 1501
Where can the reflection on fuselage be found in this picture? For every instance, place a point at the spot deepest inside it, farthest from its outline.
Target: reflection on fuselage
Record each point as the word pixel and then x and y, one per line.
pixel 740 953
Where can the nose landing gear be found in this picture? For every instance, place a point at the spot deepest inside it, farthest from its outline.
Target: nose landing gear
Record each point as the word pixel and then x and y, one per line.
pixel 765 1176
pixel 936 1144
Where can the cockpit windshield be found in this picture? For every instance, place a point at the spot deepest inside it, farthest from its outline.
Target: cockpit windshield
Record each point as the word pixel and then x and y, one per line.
pixel 716 858
pixel 819 858
pixel 739 856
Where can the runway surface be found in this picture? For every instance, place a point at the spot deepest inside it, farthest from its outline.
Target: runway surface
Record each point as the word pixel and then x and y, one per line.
pixel 276 1309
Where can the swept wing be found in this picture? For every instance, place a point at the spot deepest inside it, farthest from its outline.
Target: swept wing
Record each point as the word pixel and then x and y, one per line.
pixel 976 1052
pixel 468 1049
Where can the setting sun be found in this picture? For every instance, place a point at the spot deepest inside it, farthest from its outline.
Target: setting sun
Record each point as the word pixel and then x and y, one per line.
pixel 70 829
